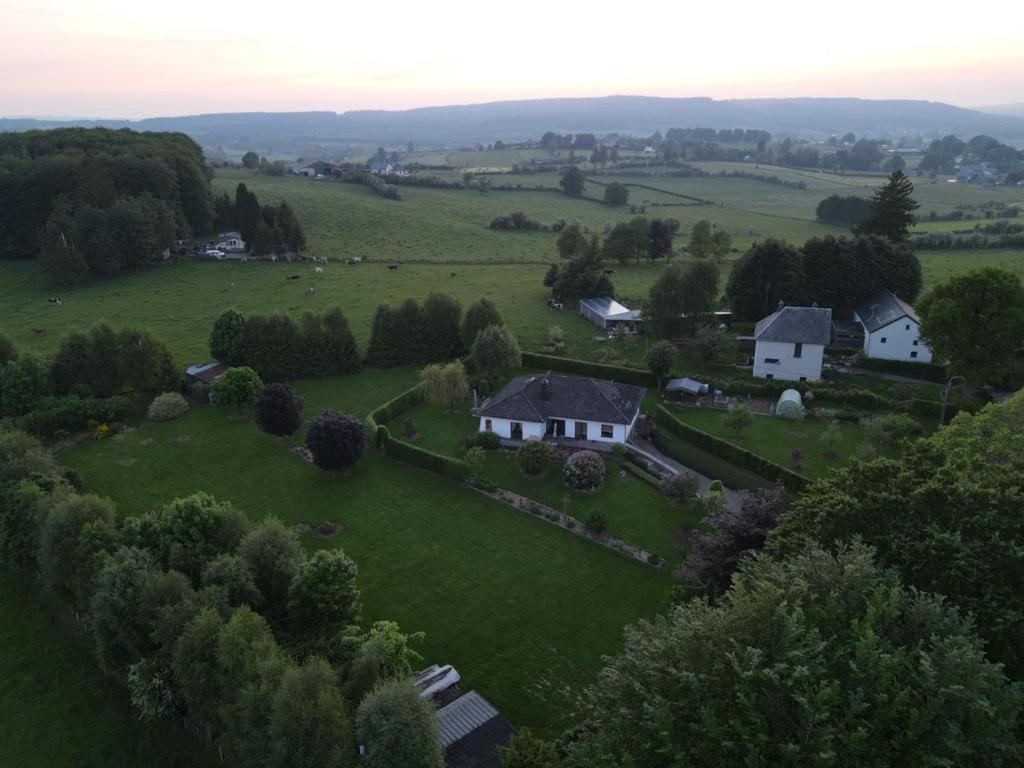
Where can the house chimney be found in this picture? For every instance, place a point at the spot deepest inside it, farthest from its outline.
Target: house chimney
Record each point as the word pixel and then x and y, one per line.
pixel 545 389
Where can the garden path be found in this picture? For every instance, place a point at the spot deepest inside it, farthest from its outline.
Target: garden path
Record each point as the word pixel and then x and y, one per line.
pixel 647 449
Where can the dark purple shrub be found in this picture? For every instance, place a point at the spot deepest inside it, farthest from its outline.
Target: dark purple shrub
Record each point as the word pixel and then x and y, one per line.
pixel 336 440
pixel 278 409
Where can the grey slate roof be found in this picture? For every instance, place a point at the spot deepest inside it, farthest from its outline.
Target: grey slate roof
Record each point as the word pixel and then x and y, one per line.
pixel 471 732
pixel 884 308
pixel 569 397
pixel 804 325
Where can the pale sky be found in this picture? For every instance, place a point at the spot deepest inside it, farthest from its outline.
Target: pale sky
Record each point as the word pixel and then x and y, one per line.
pixel 139 58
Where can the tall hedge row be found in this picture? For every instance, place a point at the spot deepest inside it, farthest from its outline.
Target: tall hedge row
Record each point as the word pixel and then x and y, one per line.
pixel 728 451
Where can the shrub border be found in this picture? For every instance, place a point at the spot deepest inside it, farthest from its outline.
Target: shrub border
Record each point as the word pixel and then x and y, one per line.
pixel 622 374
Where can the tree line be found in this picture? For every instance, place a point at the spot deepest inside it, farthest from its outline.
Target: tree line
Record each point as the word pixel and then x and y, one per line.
pixel 224 624
pixel 92 202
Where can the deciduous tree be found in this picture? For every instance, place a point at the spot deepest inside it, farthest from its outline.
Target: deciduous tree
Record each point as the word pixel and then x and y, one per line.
pixel 336 440
pixel 397 727
pixel 445 385
pixel 495 351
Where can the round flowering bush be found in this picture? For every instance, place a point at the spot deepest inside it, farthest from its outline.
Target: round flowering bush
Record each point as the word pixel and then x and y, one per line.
pixel 169 405
pixel 584 471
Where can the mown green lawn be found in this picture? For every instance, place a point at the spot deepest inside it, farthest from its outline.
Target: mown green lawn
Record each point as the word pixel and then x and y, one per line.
pixel 59 711
pixel 524 610
pixel 774 438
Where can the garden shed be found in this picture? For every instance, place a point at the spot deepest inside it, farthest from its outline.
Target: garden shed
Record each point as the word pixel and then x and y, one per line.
pixel 790 405
pixel 685 390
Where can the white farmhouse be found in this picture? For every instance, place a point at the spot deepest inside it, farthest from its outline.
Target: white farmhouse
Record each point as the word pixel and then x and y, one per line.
pixel 892 330
pixel 569 407
pixel 790 343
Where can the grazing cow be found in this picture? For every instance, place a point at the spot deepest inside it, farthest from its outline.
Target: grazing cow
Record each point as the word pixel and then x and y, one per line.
pixel 393 267
pixel 454 274
pixel 310 291
pixel 318 270
pixel 557 306
pixel 609 271
pixel 231 286
pixel 293 278
pixel 39 331
pixel 55 300
pixel 353 261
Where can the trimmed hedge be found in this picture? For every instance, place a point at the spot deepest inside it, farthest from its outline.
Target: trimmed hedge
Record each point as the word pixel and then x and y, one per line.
pixel 637 471
pixel 728 451
pixel 619 373
pixel 860 398
pixel 925 371
pixel 446 466
pixel 707 463
pixel 71 413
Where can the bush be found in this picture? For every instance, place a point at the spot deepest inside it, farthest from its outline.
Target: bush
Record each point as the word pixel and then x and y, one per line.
pixel 893 429
pixel 336 440
pixel 278 410
pixel 489 441
pixel 238 386
pixel 597 521
pixel 584 471
pixel 679 487
pixel 534 456
pixel 169 405
pixel 926 371
pixel 618 449
pixel 54 415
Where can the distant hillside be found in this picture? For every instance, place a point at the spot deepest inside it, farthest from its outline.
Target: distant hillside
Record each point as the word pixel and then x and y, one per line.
pixel 310 132
pixel 1016 110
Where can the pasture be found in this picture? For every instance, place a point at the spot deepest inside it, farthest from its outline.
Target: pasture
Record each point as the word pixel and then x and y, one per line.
pixel 524 610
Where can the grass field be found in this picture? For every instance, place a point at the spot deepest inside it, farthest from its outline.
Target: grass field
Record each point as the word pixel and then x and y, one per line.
pixel 524 610
pixel 774 438
pixel 59 711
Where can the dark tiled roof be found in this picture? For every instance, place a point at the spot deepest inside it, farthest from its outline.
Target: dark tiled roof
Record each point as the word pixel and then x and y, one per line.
pixel 806 325
pixel 471 732
pixel 882 309
pixel 569 397
pixel 209 372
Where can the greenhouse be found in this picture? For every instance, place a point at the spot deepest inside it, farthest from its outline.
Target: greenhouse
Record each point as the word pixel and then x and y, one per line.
pixel 790 405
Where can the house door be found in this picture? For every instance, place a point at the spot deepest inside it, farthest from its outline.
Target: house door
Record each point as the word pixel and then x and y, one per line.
pixel 581 430
pixel 517 430
pixel 556 428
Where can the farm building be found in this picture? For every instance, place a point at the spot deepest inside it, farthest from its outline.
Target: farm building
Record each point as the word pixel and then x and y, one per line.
pixel 316 168
pixel 892 330
pixel 472 730
pixel 608 315
pixel 685 390
pixel 790 343
pixel 207 373
pixel 546 406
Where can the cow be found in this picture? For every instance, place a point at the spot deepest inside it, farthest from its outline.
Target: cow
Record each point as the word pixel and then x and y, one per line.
pixel 293 278
pixel 392 267
pixel 231 286
pixel 609 271
pixel 318 270
pixel 39 331
pixel 310 291
pixel 557 306
pixel 353 261
pixel 55 300
pixel 454 274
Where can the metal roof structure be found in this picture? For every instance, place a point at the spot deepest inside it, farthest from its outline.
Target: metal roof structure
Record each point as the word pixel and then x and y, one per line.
pixel 686 385
pixel 803 325
pixel 882 309
pixel 540 396
pixel 463 716
pixel 609 309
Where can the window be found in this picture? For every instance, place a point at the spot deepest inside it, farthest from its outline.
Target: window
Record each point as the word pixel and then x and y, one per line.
pixel 607 430
pixel 803 378
pixel 798 349
pixel 772 360
pixel 915 342
pixel 913 354
pixel 882 340
pixel 769 376
pixel 488 427
pixel 907 327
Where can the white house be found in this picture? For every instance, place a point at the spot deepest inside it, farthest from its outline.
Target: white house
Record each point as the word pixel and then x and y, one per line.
pixel 554 406
pixel 229 242
pixel 790 343
pixel 892 330
pixel 650 150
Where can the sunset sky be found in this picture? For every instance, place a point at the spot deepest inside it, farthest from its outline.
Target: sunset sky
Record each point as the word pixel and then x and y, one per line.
pixel 137 59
